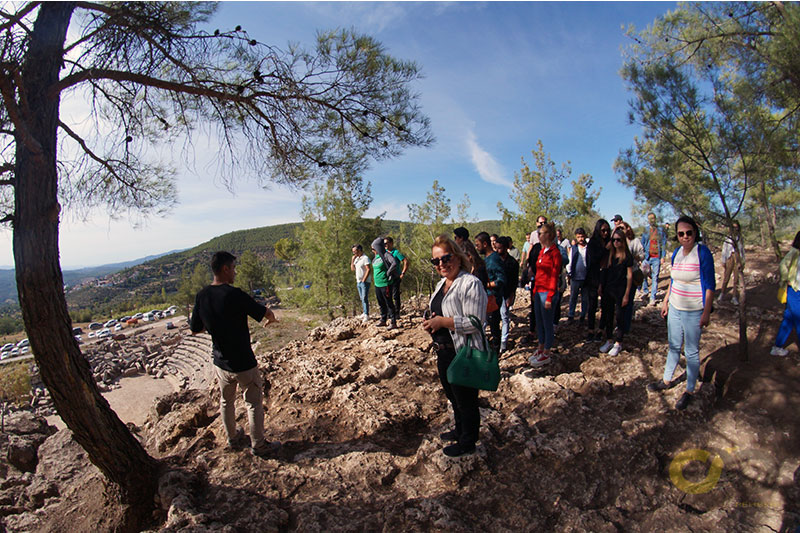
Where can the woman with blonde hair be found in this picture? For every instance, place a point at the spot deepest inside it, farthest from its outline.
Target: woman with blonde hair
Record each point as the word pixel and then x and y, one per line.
pixel 458 296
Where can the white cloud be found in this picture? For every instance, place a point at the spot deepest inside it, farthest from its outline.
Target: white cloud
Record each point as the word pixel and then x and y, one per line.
pixel 487 166
pixel 390 210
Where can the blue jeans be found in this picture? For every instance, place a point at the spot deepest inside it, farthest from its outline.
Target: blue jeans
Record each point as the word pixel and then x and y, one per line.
pixel 576 287
pixel 363 295
pixel 655 267
pixel 505 316
pixel 683 328
pixel 791 317
pixel 544 320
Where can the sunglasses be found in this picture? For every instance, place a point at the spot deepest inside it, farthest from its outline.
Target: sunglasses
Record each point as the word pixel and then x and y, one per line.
pixel 616 239
pixel 687 233
pixel 443 260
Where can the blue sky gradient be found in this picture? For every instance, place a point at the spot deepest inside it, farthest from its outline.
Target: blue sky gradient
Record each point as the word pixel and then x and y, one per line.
pixel 498 77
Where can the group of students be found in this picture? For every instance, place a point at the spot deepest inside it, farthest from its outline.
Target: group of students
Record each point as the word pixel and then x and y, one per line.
pixel 601 267
pixel 387 269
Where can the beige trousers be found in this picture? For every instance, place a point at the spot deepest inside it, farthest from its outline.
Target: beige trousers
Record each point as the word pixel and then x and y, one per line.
pixel 252 385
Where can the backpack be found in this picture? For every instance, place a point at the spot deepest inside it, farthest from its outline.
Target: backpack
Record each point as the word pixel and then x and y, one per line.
pixel 392 264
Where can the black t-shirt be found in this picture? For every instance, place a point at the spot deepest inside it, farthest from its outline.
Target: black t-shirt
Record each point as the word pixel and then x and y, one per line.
pixel 615 276
pixel 222 310
pixel 441 335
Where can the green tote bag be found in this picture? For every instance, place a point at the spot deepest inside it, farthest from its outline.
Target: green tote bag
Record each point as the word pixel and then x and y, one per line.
pixel 471 367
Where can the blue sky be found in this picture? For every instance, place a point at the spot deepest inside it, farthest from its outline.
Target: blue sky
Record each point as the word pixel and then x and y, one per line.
pixel 498 77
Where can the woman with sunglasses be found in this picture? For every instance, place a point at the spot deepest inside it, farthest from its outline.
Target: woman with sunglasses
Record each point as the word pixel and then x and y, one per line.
pixel 596 253
pixel 687 306
pixel 458 296
pixel 545 285
pixel 616 279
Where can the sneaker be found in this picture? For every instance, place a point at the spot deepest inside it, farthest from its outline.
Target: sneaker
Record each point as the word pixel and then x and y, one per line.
pixel 606 346
pixel 658 386
pixel 780 352
pixel 735 300
pixel 449 435
pixel 237 442
pixel 457 450
pixel 539 359
pixel 615 349
pixel 503 348
pixel 393 325
pixel 684 401
pixel 381 323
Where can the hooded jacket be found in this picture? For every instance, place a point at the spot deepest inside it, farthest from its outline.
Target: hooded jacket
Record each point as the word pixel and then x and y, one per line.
pixel 392 271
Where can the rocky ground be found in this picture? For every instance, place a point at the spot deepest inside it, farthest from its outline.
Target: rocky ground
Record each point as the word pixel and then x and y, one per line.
pixel 577 446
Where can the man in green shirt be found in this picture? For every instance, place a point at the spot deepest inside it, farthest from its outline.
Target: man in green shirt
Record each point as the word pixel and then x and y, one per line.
pixel 401 259
pixel 383 283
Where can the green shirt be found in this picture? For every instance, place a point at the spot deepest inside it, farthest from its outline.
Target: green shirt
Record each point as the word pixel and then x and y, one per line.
pixel 379 272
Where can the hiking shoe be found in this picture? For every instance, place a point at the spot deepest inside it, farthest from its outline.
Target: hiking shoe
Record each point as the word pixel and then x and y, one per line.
pixel 237 442
pixel 539 359
pixel 615 349
pixel 780 352
pixel 381 323
pixel 606 346
pixel 392 324
pixel 657 386
pixel 457 450
pixel 684 401
pixel 449 435
pixel 265 448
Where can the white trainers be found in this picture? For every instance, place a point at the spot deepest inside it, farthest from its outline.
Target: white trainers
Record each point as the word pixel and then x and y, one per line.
pixel 606 346
pixel 735 300
pixel 780 352
pixel 615 349
pixel 539 359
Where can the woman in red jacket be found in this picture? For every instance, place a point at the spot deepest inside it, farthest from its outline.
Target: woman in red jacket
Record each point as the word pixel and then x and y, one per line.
pixel 548 268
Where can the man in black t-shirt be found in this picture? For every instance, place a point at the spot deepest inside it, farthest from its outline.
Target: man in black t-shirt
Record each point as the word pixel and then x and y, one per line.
pixel 222 311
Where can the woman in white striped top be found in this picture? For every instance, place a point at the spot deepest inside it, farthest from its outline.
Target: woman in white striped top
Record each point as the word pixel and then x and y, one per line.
pixel 687 306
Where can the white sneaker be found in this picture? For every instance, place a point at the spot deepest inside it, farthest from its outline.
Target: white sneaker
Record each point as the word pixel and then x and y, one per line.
pixel 615 349
pixel 539 359
pixel 735 300
pixel 780 352
pixel 607 346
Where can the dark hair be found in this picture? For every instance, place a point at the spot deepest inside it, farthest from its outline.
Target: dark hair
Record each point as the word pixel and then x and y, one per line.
pixel 505 242
pixel 796 242
pixel 580 231
pixel 686 219
pixel 495 235
pixel 483 237
pixel 358 247
pixel 461 232
pixel 387 238
pixel 599 224
pixel 221 259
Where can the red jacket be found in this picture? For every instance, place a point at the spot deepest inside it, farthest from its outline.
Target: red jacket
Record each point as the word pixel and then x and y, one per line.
pixel 548 269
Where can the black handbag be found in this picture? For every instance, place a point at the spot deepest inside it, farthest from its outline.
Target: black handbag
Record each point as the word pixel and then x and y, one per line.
pixel 472 367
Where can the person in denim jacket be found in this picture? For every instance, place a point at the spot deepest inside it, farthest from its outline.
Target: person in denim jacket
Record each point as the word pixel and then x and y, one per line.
pixel 654 242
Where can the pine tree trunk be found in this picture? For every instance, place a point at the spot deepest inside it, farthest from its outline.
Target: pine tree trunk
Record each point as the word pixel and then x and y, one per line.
pixel 108 442
pixel 769 219
pixel 742 289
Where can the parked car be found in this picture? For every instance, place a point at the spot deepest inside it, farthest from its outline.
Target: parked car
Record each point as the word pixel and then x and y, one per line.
pixel 138 316
pixel 172 308
pixel 14 352
pixel 118 327
pixel 79 339
pixel 103 333
pixel 111 323
pixel 24 350
pixel 77 331
pixel 23 343
pixel 95 325
pixel 148 318
pixel 7 346
pixel 123 319
pixel 132 322
pixel 170 325
pixel 92 334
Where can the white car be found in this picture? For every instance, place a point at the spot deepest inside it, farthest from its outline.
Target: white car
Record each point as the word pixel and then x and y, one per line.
pixel 103 333
pixel 138 316
pixel 110 323
pixel 23 343
pixel 92 334
pixel 7 346
pixel 118 327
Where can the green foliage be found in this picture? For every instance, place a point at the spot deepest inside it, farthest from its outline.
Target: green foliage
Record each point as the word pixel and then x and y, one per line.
pixel 536 191
pixel 287 249
pixel 578 209
pixel 332 224
pixel 191 283
pixel 15 382
pixel 252 274
pixel 430 220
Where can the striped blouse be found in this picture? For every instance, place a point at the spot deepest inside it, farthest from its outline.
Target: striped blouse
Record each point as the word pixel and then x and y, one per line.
pixel 686 293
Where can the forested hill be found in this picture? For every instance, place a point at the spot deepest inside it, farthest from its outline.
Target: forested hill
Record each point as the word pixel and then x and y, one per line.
pixel 162 275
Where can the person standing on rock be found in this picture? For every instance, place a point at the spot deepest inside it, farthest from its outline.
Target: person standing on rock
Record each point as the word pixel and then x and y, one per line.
pixel 383 267
pixel 222 310
pixel 790 281
pixel 360 265
pixel 687 306
pixel 402 262
pixel 458 296
pixel 654 244
pixel 496 285
pixel 543 291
